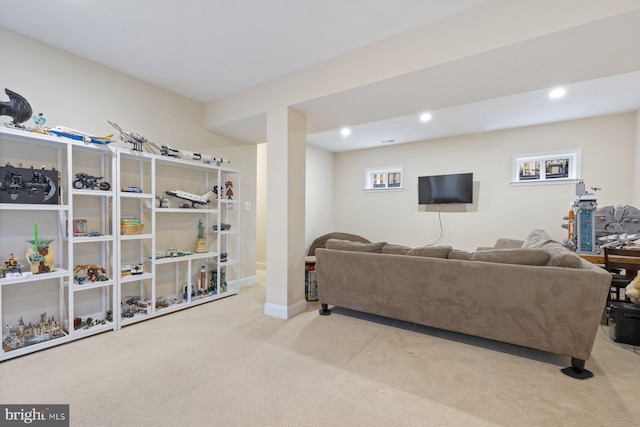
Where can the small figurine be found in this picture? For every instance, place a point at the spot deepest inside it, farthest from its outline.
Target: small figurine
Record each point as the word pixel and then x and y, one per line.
pixel 41 256
pixel 201 243
pixel 228 189
pixel 39 120
pixel 163 202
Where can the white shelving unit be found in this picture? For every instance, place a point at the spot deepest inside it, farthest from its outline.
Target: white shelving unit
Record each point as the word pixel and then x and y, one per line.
pixel 169 283
pixel 67 302
pixel 90 299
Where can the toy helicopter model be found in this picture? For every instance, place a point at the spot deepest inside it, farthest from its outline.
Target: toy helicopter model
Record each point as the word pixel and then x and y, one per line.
pixel 195 199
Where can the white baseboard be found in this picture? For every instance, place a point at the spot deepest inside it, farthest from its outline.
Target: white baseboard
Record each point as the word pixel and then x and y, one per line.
pixel 282 312
pixel 248 281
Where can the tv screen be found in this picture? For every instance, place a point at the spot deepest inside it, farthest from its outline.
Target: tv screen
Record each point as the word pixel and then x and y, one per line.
pixel 438 189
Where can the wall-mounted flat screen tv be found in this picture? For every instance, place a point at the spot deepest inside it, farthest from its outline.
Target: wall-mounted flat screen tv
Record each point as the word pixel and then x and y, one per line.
pixel 438 189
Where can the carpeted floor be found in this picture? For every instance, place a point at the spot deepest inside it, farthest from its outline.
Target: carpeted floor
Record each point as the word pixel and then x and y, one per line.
pixel 227 364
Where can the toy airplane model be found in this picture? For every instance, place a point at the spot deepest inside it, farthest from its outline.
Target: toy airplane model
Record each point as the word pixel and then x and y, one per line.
pixel 80 135
pixel 193 198
pixel 138 141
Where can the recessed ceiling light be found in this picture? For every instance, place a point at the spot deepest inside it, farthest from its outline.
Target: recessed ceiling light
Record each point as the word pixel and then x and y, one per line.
pixel 345 131
pixel 425 117
pixel 558 92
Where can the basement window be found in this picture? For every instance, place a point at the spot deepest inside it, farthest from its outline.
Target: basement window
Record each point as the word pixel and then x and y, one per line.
pixel 386 178
pixel 547 168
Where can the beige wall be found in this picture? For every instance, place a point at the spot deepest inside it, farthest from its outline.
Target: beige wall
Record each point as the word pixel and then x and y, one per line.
pixel 81 94
pixel 499 209
pixel 319 205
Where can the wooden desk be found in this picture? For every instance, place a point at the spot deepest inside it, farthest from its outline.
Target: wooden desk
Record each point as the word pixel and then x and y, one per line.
pixel 599 259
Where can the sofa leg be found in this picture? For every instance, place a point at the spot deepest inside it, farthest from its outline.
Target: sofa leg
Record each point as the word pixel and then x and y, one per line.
pixel 576 370
pixel 324 311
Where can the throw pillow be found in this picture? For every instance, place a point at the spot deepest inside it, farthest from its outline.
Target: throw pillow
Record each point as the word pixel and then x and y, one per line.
pixel 508 244
pixel 561 256
pixel 346 245
pixel 431 251
pixel 537 239
pixel 513 256
pixel 395 249
pixel 460 254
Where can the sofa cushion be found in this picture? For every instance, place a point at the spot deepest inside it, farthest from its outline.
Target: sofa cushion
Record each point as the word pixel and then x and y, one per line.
pixel 460 254
pixel 537 239
pixel 346 245
pixel 431 251
pixel 508 244
pixel 561 256
pixel 395 249
pixel 513 256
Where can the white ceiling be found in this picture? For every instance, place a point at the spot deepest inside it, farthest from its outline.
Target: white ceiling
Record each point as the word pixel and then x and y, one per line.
pixel 206 50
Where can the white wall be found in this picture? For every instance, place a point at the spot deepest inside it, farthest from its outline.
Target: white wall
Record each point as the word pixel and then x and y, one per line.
pixel 83 95
pixel 499 209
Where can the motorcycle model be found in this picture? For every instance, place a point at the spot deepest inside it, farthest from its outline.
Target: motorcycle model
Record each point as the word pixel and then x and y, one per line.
pixel 84 180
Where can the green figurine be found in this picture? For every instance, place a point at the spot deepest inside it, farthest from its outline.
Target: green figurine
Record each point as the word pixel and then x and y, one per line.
pixel 200 229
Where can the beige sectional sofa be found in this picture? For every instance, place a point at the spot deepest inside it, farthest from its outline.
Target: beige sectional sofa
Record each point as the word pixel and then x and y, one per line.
pixel 533 293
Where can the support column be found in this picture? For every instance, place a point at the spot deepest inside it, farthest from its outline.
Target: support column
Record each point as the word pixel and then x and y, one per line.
pixel 286 151
pixel 635 185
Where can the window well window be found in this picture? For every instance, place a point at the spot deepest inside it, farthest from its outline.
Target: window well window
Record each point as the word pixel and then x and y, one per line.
pixel 386 178
pixel 547 167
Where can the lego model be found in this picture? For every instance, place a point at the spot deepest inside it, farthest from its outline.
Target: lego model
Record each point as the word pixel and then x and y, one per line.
pixel 25 335
pixel 162 302
pixel 95 319
pixel 11 267
pixel 228 189
pixel 222 280
pixel 28 185
pixel 17 108
pixel 40 120
pixel 223 227
pixel 41 256
pixel 135 305
pixel 163 202
pixel 131 190
pixel 84 180
pixel 194 199
pixel 138 141
pixel 581 221
pixel 93 273
pixel 79 135
pixel 183 154
pixel 172 253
